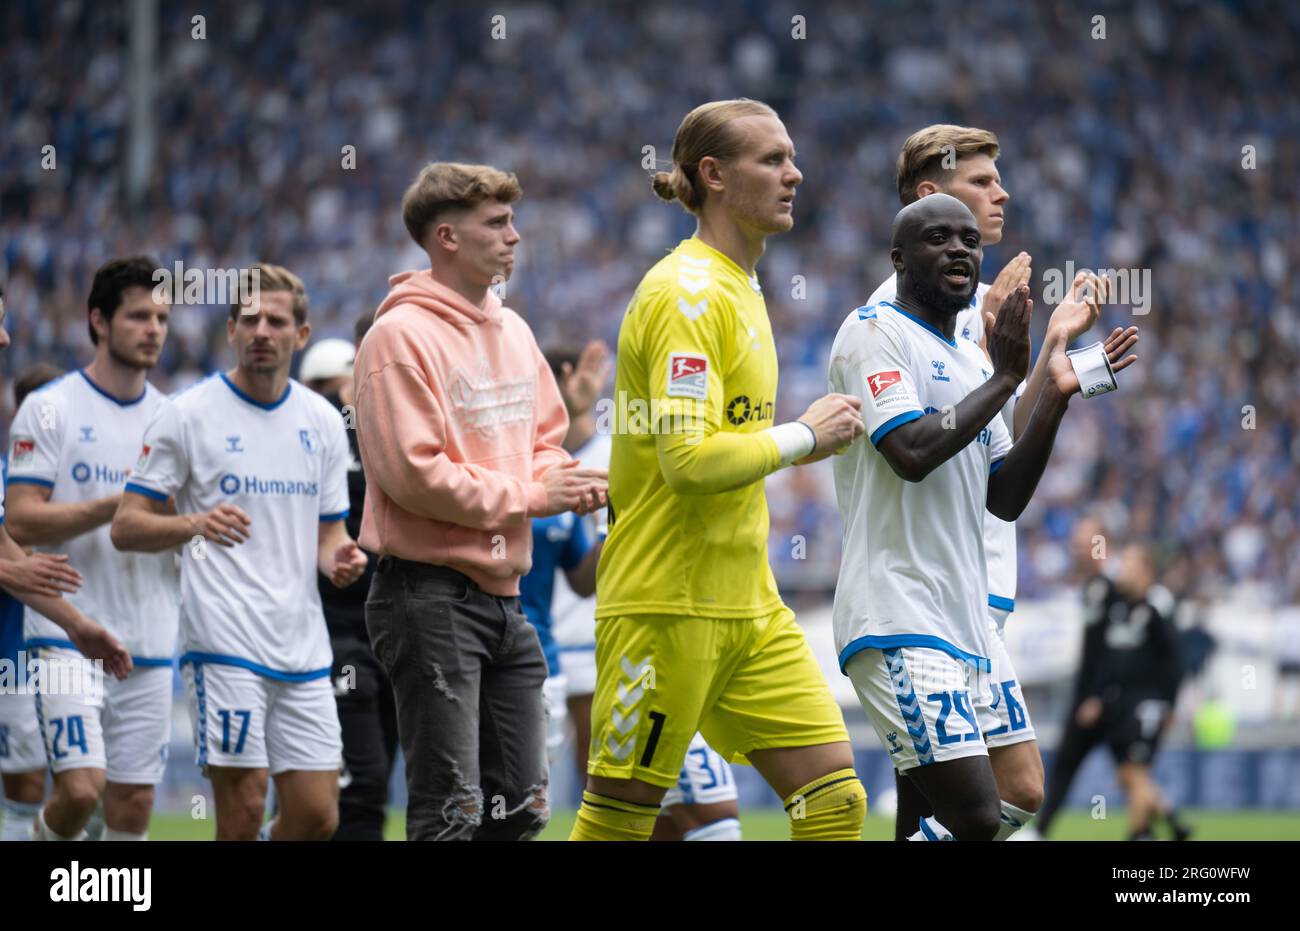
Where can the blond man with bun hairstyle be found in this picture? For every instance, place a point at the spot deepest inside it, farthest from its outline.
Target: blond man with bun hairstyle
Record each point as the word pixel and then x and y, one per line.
pixel 691 633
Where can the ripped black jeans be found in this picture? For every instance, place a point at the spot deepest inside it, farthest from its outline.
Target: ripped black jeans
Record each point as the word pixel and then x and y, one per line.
pixel 467 672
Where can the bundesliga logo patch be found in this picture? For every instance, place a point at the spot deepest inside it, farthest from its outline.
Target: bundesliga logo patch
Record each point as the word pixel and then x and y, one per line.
pixel 144 457
pixel 24 449
pixel 688 376
pixel 881 383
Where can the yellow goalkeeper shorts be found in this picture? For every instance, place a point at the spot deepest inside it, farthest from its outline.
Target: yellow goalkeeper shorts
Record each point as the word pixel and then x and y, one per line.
pixel 745 684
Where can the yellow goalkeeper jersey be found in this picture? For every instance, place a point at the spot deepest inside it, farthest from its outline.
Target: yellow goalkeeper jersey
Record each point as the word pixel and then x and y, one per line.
pixel 696 379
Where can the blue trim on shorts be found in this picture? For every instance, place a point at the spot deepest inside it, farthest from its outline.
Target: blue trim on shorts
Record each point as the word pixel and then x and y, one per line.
pixel 927 641
pixel 929 834
pixel 142 661
pixel 201 732
pixel 909 706
pixel 220 659
pixel 1002 604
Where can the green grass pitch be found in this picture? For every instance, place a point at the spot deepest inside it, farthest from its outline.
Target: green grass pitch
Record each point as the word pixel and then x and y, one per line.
pixel 763 824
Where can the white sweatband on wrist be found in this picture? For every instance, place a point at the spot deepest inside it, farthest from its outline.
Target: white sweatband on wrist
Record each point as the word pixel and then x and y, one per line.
pixel 1093 370
pixel 794 439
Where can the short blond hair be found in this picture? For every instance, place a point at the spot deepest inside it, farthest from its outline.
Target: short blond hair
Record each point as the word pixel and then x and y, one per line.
pixel 268 277
pixel 921 158
pixel 443 186
pixel 706 131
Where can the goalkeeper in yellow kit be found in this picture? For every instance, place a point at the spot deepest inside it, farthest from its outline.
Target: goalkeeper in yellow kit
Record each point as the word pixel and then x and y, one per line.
pixel 691 633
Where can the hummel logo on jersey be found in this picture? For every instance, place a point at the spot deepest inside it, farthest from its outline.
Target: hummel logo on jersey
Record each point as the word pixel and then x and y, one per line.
pixel 938 371
pixel 882 382
pixel 232 444
pixel 688 376
pixel 693 274
pixel 87 434
pixel 693 312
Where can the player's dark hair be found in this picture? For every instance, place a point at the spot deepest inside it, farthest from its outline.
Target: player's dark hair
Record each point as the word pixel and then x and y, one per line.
pixel 111 280
pixel 362 327
pixel 930 153
pixel 31 378
pixel 706 131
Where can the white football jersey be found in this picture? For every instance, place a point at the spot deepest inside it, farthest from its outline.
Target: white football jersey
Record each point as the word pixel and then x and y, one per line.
pixel 254 604
pixel 74 438
pixel 573 618
pixel 913 568
pixel 999 535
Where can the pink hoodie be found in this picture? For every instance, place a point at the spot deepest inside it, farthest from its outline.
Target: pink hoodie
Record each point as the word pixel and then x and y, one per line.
pixel 458 415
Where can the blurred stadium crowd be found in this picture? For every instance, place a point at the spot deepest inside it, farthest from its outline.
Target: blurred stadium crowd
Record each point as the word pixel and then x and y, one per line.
pixel 1119 152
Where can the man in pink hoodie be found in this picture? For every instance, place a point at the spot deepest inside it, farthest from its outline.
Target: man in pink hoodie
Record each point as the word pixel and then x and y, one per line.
pixel 460 424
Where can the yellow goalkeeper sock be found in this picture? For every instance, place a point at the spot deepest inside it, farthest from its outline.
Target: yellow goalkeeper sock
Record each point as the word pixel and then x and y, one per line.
pixel 830 808
pixel 605 818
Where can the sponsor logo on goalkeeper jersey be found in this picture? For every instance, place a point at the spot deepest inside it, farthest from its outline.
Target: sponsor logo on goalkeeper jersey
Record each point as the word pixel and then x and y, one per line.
pixel 740 410
pixel 231 484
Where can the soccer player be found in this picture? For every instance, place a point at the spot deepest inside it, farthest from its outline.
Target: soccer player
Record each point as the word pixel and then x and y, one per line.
pixel 257 466
pixel 911 636
pixel 367 712
pixel 560 546
pixel 961 161
pixel 691 633
pixel 580 377
pixel 22 754
pixel 1126 686
pixel 459 422
pixel 702 805
pixel 74 443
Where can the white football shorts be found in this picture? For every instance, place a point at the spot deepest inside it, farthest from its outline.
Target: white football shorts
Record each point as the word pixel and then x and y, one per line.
pixel 243 719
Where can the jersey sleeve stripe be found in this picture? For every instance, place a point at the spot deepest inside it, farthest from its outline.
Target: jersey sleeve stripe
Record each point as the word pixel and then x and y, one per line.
pixel 996 464
pixel 147 492
pixel 30 480
pixel 892 423
pixel 1003 604
pixel 330 518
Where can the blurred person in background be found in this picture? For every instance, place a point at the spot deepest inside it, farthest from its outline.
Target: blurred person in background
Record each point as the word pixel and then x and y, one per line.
pixel 367 712
pixel 1127 683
